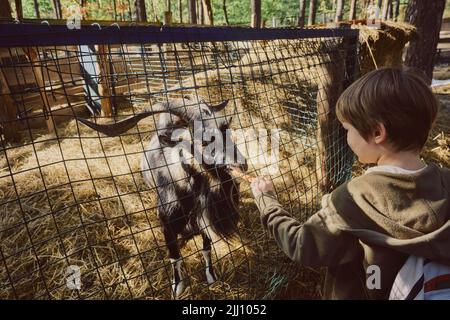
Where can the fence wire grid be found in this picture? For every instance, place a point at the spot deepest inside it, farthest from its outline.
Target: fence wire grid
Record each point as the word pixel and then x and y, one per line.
pixel 79 215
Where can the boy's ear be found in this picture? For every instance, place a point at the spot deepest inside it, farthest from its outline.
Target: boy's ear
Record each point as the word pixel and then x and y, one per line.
pixel 380 133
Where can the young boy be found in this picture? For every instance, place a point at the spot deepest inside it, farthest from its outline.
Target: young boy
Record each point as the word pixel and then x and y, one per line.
pixel 398 208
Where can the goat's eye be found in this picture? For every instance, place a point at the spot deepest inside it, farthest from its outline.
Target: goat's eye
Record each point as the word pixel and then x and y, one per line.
pixel 207 112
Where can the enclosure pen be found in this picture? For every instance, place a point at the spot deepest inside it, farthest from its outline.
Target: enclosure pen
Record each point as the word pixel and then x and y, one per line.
pixel 73 198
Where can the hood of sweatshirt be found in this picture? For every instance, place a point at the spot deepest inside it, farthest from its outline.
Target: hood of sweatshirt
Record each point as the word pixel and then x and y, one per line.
pixel 409 213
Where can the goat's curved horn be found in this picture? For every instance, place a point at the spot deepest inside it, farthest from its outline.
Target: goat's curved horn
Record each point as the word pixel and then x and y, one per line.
pixel 117 128
pixel 219 107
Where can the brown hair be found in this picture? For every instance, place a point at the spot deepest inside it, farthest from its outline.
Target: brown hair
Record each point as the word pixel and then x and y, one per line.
pixel 398 98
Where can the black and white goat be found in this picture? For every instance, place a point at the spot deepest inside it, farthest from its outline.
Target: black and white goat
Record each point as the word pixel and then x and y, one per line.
pixel 196 195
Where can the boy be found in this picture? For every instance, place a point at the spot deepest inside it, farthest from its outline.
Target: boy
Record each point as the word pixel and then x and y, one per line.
pixel 398 208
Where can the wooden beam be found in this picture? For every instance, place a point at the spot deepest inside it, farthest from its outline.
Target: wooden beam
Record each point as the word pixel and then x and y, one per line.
pixel 104 85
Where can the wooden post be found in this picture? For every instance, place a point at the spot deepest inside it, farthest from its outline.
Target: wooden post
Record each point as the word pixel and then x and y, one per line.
pixel 8 112
pixel 33 57
pixel 192 12
pixel 104 83
pixel 256 14
pixel 331 137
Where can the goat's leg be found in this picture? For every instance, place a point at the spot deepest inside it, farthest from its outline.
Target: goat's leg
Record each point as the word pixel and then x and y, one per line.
pixel 210 274
pixel 179 283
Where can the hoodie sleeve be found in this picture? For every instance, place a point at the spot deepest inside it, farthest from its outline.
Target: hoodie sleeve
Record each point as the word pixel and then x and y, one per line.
pixel 320 241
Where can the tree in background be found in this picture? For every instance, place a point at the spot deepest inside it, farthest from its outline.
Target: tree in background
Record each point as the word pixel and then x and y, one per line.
pixel 141 14
pixel 426 16
pixel 208 12
pixel 225 13
pixel 5 9
pixel 301 13
pixel 339 10
pixel 352 13
pixel 312 12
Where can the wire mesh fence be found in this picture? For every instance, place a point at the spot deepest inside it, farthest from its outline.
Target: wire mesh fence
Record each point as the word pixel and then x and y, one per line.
pixel 129 210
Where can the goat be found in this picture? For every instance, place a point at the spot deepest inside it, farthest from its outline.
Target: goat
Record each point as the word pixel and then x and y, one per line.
pixel 194 197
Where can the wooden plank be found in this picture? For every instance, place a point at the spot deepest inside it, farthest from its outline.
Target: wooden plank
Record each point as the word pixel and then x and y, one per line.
pixel 38 74
pixel 8 112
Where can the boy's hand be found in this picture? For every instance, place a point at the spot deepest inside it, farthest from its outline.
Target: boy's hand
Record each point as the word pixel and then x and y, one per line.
pixel 261 185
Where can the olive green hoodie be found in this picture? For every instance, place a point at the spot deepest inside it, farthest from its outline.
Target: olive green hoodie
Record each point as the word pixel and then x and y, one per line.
pixel 379 218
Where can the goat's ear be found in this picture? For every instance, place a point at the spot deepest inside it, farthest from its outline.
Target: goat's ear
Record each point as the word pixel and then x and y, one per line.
pixel 219 107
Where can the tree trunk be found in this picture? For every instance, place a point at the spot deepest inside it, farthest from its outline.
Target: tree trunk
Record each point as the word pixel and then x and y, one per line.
pixel 207 9
pixel 224 7
pixel 390 11
pixel 36 9
pixel 396 10
pixel 83 5
pixel 141 13
pixel 301 13
pixel 256 13
pixel 19 9
pixel 192 12
pixel 201 12
pixel 312 12
pixel 155 15
pixel 385 10
pixel 352 13
pixel 57 8
pixel 426 16
pixel 180 8
pixel 115 9
pixel 339 10
pixel 5 9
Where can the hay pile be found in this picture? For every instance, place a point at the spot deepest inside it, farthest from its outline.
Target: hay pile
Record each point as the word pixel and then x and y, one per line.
pixel 83 202
pixel 384 47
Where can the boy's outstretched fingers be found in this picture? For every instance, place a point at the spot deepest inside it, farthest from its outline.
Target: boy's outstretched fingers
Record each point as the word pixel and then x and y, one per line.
pixel 262 185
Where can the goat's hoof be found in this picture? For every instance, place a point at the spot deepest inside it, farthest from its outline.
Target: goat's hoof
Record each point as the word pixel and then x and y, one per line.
pixel 178 289
pixel 210 275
